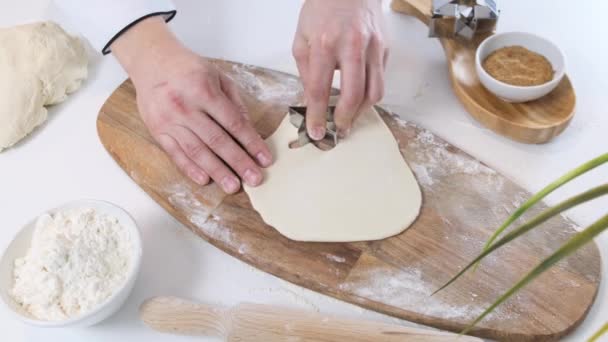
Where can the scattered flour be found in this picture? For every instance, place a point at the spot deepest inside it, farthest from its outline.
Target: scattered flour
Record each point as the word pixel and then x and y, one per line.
pixel 571 225
pixel 422 174
pixel 440 159
pixel 77 259
pixel 335 258
pixel 401 122
pixel 406 289
pixel 181 196
pixel 282 92
pixel 433 161
pixel 213 228
pixel 520 198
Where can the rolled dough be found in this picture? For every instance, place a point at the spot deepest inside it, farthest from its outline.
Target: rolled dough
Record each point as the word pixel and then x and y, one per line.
pixel 40 64
pixel 360 190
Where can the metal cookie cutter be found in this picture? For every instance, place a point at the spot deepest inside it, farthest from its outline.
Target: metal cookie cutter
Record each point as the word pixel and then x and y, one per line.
pixel 469 17
pixel 297 117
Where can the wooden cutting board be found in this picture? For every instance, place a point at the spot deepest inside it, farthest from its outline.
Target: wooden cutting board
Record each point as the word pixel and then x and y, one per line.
pixel 464 201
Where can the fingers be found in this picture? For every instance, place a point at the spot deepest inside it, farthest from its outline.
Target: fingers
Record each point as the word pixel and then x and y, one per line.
pixel 373 84
pixel 376 63
pixel 233 118
pixel 198 152
pixel 352 90
pixel 300 51
pixel 362 66
pixel 183 163
pixel 199 118
pixel 320 73
pixel 202 149
pixel 215 133
pixel 224 146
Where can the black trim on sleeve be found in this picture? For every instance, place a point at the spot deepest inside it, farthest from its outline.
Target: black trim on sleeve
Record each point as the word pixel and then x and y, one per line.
pixel 167 15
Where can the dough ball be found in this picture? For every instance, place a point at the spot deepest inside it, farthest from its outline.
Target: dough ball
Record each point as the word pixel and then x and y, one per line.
pixel 22 106
pixel 40 65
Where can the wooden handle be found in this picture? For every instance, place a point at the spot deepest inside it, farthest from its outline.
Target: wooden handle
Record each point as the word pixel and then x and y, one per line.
pixel 179 316
pixel 247 322
pixel 420 9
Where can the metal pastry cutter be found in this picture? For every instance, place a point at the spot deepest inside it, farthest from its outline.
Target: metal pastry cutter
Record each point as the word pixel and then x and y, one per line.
pixel 297 117
pixel 468 17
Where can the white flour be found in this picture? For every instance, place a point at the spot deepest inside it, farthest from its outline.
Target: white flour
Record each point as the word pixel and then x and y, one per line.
pixel 77 259
pixel 264 89
pixel 406 289
pixel 181 196
pixel 439 161
pixel 433 160
pixel 335 258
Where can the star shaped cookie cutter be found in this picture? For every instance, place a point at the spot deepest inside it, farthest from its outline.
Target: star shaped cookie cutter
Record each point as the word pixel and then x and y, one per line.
pixel 297 117
pixel 469 17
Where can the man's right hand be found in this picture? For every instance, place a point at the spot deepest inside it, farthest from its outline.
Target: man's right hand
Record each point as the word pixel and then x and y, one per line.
pixel 193 110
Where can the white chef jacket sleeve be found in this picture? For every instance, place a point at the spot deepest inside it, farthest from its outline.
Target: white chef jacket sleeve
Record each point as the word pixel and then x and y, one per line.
pixel 102 21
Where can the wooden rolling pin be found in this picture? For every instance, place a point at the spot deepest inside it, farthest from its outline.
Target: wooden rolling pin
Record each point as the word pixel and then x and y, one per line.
pixel 257 322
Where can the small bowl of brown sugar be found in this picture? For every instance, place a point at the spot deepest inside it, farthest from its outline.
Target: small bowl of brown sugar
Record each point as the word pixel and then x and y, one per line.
pixel 518 66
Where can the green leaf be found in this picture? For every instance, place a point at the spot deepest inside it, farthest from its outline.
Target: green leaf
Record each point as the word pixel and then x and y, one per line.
pixel 539 219
pixel 590 165
pixel 566 249
pixel 599 333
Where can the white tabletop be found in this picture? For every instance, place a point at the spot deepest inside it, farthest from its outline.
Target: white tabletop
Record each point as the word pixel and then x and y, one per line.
pixel 64 160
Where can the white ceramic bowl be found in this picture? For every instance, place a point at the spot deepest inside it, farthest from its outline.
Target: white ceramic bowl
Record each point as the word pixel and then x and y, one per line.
pixel 18 248
pixel 531 42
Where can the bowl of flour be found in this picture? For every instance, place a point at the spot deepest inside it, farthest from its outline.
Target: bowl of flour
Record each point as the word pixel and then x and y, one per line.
pixel 74 265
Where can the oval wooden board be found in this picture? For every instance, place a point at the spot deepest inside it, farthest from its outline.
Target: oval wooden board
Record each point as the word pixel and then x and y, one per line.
pixel 533 122
pixel 463 201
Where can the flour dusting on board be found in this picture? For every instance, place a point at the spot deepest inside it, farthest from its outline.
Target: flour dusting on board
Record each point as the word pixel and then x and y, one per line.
pixel 407 290
pixel 262 88
pixel 422 174
pixel 402 122
pixel 334 258
pixel 438 161
pixel 214 228
pixel 182 198
pixel 434 160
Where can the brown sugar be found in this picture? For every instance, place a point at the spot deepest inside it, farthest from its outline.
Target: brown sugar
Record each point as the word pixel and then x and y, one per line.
pixel 518 66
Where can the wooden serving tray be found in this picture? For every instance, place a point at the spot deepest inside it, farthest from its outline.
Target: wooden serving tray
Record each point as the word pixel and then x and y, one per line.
pixel 533 122
pixel 463 201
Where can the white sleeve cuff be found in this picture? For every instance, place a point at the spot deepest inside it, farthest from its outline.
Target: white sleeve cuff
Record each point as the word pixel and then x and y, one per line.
pixel 101 22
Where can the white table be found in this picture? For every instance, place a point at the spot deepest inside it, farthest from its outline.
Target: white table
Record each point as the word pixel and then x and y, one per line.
pixel 65 160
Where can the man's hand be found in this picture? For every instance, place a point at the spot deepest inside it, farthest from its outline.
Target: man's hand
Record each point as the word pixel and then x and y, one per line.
pixel 193 110
pixel 346 35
